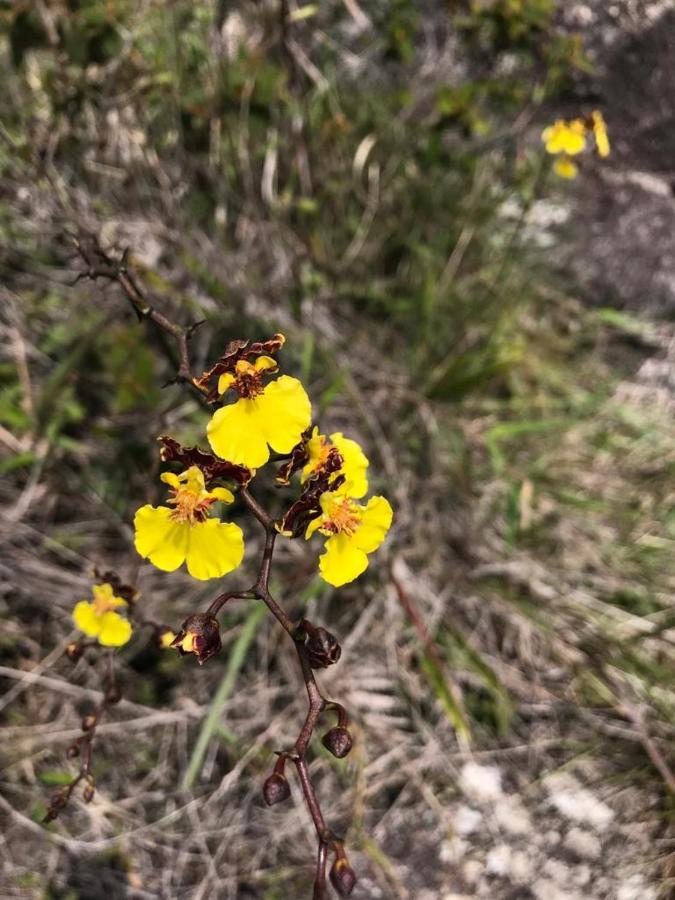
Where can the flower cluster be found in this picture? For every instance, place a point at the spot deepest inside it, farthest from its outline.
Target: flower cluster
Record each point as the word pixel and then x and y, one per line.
pixel 259 412
pixel 566 140
pixel 267 413
pixel 99 619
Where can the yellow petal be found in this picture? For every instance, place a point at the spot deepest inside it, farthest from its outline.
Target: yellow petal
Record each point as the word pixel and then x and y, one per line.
pixel 563 137
pixel 115 630
pixel 600 133
pixel 354 466
pixel 159 538
pixel 237 433
pixel 342 561
pixel 170 479
pixel 214 549
pixel 314 447
pixel 312 527
pixel 222 494
pixel 565 167
pixel 265 364
pixel 104 599
pixel 375 523
pixel 85 619
pixel 287 413
pixel 225 382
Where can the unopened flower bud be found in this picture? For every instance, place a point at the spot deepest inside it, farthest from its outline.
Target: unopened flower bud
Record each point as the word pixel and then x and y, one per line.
pixel 323 648
pixel 73 750
pixel 199 634
pixel 338 741
pixel 276 789
pixel 56 803
pixel 74 651
pixel 342 876
pixel 88 792
pixel 113 694
pixel 88 723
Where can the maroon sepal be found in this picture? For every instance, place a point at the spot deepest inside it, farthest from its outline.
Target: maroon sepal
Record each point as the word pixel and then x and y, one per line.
pixel 235 351
pixel 210 466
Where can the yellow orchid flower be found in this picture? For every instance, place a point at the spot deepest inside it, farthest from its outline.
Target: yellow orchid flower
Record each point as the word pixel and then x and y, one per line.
pixel 354 462
pixel 353 532
pixel 98 619
pixel 264 416
pixel 170 537
pixel 600 133
pixel 565 167
pixel 565 137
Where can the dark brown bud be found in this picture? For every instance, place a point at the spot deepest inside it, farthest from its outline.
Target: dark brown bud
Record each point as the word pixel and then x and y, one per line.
pixel 73 750
pixel 322 647
pixel 342 876
pixel 113 694
pixel 88 792
pixel 56 803
pixel 74 651
pixel 199 634
pixel 276 789
pixel 338 741
pixel 88 723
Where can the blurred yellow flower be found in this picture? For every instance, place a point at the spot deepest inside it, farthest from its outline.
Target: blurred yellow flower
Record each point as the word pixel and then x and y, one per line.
pixel 600 133
pixel 354 462
pixel 98 619
pixel 565 137
pixel 264 416
pixel 353 532
pixel 170 537
pixel 565 167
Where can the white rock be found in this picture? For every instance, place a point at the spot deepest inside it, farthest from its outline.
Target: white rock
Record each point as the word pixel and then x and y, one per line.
pixel 453 850
pixel 576 802
pixel 511 816
pixel 584 843
pixel 481 783
pixel 545 889
pixel 581 875
pixel 498 860
pixel 635 888
pixel 521 867
pixel 472 870
pixel 466 820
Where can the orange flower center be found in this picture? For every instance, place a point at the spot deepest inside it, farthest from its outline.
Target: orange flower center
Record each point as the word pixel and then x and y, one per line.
pixel 249 381
pixel 343 519
pixel 190 506
pixel 104 599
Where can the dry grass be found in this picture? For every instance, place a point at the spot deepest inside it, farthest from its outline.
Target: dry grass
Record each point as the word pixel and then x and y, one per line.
pixel 532 485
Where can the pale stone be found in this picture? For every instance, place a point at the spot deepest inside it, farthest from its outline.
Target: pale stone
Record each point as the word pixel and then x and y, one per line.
pixel 583 843
pixel 576 802
pixel 498 860
pixel 511 816
pixel 482 783
pixel 466 820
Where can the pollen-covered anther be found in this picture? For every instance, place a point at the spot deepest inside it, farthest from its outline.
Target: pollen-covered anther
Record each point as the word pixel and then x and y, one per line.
pixel 343 519
pixel 189 506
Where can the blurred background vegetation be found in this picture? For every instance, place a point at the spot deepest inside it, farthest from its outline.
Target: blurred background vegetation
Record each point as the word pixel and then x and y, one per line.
pixel 369 180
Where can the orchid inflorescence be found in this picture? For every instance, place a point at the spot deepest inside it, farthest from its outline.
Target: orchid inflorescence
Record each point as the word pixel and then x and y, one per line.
pixel 257 412
pixel 566 140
